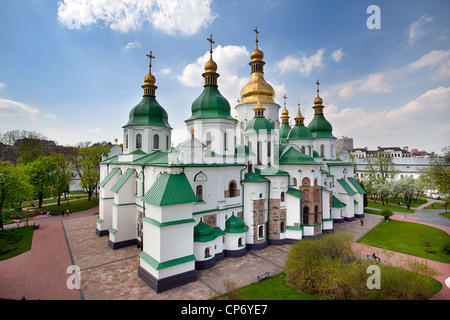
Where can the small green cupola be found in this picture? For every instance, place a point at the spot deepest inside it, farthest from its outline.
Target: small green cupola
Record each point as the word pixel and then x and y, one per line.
pixel 300 131
pixel 259 122
pixel 319 126
pixel 148 112
pixel 235 225
pixel 210 104
pixel 285 127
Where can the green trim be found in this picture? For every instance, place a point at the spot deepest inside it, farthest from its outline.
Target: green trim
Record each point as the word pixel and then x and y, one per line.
pixel 112 230
pixel 119 184
pixel 108 177
pixel 295 228
pixel 126 204
pixel 166 264
pixel 106 198
pixel 166 224
pixel 216 210
pixel 294 192
pixel 99 220
pixel 356 185
pixel 346 187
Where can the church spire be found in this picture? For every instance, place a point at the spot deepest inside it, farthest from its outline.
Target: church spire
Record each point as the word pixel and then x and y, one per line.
pixel 210 74
pixel 318 107
pixel 299 118
pixel 259 110
pixel 285 112
pixel 149 80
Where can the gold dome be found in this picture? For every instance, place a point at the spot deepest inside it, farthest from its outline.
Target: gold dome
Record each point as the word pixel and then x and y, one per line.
pixel 210 66
pixel 257 55
pixel 149 79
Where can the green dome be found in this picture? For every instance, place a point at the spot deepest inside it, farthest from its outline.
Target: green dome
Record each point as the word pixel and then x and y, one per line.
pixel 203 232
pixel 235 225
pixel 257 124
pixel 148 113
pixel 294 156
pixel 210 104
pixel 300 132
pixel 284 131
pixel 320 127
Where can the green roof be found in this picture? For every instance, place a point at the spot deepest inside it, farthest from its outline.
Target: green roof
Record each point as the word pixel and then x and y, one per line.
pixel 293 156
pixel 253 177
pixel 284 131
pixel 243 149
pixel 206 233
pixel 271 171
pixel 320 127
pixel 109 176
pixel 157 157
pixel 346 187
pixel 356 185
pixel 300 132
pixel 210 104
pixel 257 124
pixel 122 180
pixel 148 112
pixel 235 225
pixel 170 189
pixel 337 203
pixel 295 192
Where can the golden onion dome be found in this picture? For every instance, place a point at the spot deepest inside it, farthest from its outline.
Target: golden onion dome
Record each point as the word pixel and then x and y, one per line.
pixel 210 66
pixel 149 79
pixel 257 55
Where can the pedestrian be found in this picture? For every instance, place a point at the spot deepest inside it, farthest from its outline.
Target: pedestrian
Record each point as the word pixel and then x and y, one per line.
pixel 362 222
pixel 68 212
pixel 62 213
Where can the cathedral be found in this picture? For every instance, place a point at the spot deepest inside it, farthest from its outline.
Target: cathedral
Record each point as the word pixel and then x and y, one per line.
pixel 236 184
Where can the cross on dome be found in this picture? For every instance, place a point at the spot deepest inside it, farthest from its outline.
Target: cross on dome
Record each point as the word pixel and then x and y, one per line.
pixel 150 56
pixel 256 32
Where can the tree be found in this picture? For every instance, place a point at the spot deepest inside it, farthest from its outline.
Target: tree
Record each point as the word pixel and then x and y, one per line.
pixel 437 175
pixel 382 189
pixel 62 176
pixel 14 188
pixel 407 187
pixel 89 166
pixel 381 166
pixel 41 175
pixel 30 150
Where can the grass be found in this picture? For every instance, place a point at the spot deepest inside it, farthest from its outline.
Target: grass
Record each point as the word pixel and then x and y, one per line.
pixel 73 206
pixel 410 238
pixel 379 205
pixel 15 242
pixel 273 288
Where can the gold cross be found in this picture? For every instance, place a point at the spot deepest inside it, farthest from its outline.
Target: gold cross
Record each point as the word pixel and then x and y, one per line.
pixel 284 97
pixel 256 32
pixel 318 84
pixel 210 39
pixel 150 56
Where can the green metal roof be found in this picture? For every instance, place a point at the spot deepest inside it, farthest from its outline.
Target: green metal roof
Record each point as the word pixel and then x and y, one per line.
pixel 337 203
pixel 170 189
pixel 258 124
pixel 155 158
pixel 284 131
pixel 210 104
pixel 122 180
pixel 271 171
pixel 206 233
pixel 235 225
pixel 109 176
pixel 346 187
pixel 148 112
pixel 295 192
pixel 254 177
pixel 293 156
pixel 300 132
pixel 356 185
pixel 320 127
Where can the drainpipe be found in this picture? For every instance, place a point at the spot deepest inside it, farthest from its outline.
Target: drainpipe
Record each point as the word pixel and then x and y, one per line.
pixel 240 181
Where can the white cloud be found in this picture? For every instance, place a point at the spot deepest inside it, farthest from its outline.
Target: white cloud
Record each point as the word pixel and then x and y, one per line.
pixel 165 71
pixel 132 45
pixel 171 16
pixel 337 55
pixel 15 108
pixel 422 122
pixel 375 83
pixel 416 30
pixel 229 60
pixel 437 61
pixel 303 64
pixel 2 85
pixel 50 116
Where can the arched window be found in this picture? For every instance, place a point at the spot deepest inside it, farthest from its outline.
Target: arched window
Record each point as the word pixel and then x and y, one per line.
pixel 305 219
pixel 232 188
pixel 138 141
pixel 258 152
pixel 282 226
pixel 167 142
pixel 225 141
pixel 250 166
pixel 268 149
pixel 126 141
pixel 261 232
pixel 322 150
pixel 302 149
pixel 282 197
pixel 207 252
pixel 294 181
pixel 240 244
pixel 155 141
pixel 316 214
pixel 306 182
pixel 199 192
pixel 208 139
pixel 315 182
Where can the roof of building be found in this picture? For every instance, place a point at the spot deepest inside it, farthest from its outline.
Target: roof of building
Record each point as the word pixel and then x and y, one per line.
pixel 294 156
pixel 122 180
pixel 170 189
pixel 258 124
pixel 148 112
pixel 210 104
pixel 346 187
pixel 300 132
pixel 356 185
pixel 108 177
pixel 235 225
pixel 205 233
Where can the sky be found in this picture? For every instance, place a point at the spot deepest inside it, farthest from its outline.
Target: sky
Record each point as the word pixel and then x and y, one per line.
pixel 73 69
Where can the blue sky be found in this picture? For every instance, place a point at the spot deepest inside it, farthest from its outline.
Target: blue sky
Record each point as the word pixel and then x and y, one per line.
pixel 73 69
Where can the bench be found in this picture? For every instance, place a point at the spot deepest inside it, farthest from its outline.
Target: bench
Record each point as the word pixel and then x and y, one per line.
pixel 370 256
pixel 263 276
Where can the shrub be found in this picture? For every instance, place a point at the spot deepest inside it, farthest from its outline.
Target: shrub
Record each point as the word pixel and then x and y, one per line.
pixel 386 213
pixel 446 247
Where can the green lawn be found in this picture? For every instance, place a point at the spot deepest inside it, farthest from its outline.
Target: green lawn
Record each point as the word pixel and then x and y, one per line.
pixel 15 242
pixel 273 288
pixel 73 206
pixel 410 238
pixel 379 205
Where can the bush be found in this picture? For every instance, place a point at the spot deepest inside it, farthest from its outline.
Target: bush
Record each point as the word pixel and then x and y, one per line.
pixel 386 213
pixel 327 268
pixel 446 247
